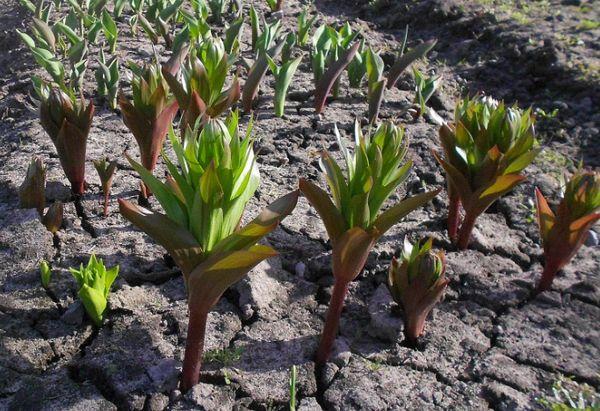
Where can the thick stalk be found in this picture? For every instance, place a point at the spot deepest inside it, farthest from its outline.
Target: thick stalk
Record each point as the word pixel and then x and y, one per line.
pixel 550 270
pixel 194 348
pixel 78 187
pixel 336 305
pixel 414 326
pixel 465 231
pixel 453 218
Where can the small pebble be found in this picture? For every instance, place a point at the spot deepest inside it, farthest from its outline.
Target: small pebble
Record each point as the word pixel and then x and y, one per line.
pixel 592 239
pixel 300 269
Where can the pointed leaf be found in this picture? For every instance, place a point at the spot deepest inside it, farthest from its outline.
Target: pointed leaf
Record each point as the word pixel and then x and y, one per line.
pixel 394 214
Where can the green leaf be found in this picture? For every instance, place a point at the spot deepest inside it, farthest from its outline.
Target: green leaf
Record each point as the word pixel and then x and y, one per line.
pixel 165 197
pixel 397 212
pixel 406 60
pixel 266 222
pixel 177 240
pixel 209 280
pixel 94 303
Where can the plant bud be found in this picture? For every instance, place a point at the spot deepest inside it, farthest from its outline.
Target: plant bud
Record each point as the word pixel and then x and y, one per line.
pixel 32 193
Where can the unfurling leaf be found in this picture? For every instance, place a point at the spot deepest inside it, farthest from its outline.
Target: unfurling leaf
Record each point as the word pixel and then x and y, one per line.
pixel 106 171
pixel 149 114
pixel 204 199
pixel 352 217
pixel 331 75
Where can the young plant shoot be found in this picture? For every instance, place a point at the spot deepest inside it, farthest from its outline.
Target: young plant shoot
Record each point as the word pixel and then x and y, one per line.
pixel 67 120
pixel 564 232
pixel 106 171
pixel 32 192
pixel 53 218
pixel 304 27
pixel 94 282
pixel 332 74
pixel 204 201
pixel 376 83
pixel 406 59
pixel 352 219
pixel 256 74
pixel 417 283
pixel 485 150
pixel 283 78
pixel 275 5
pixel 149 114
pixel 45 274
pixel 424 89
pixel 202 94
pixel 107 77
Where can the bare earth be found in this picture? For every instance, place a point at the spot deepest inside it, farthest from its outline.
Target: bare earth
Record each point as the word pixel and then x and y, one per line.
pixel 488 345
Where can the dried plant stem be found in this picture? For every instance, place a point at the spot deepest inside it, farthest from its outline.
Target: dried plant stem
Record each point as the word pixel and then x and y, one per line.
pixel 466 229
pixel 336 305
pixel 194 348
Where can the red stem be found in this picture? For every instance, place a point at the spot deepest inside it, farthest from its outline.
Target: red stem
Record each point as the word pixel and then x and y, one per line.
pixel 550 270
pixel 414 326
pixel 465 231
pixel 105 204
pixel 453 218
pixel 78 187
pixel 194 348
pixel 336 305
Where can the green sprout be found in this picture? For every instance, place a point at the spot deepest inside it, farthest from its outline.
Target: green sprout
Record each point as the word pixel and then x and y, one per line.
pixel 94 282
pixel 568 395
pixel 417 283
pixel 106 171
pixel 204 200
pixel 203 93
pixel 563 233
pixel 109 27
pixel 283 78
pixel 107 77
pixel 424 89
pixel 45 274
pixel 149 114
pixel 485 150
pixel 225 357
pixel 304 27
pixel 353 219
pixel 376 82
